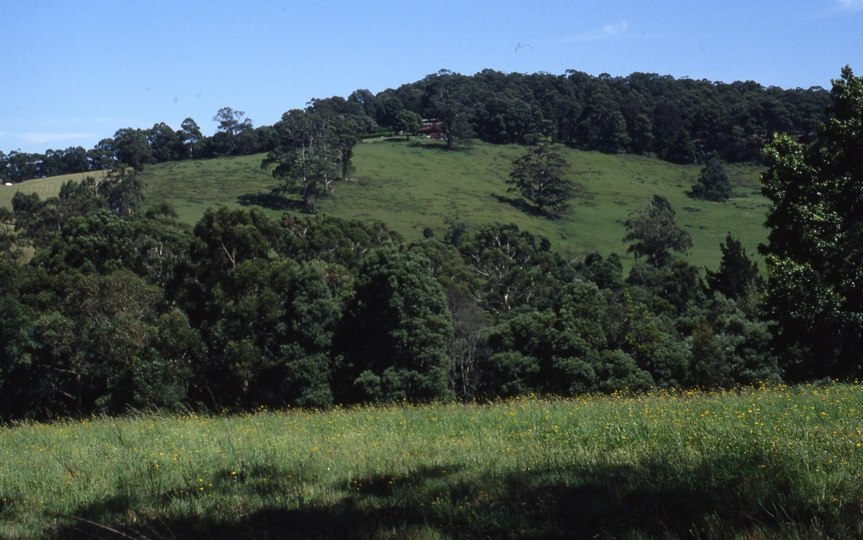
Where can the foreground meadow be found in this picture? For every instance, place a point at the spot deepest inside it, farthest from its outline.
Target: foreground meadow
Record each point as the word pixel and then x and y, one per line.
pixel 780 462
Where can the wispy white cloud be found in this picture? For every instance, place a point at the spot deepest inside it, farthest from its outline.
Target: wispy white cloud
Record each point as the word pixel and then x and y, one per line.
pixel 608 31
pixel 835 8
pixel 850 4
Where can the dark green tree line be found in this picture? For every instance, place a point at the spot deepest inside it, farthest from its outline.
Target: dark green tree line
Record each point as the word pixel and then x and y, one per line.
pixel 814 288
pixel 122 309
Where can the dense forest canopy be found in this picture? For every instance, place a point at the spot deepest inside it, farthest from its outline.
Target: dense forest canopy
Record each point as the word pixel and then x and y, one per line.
pixel 108 304
pixel 678 120
pixel 120 309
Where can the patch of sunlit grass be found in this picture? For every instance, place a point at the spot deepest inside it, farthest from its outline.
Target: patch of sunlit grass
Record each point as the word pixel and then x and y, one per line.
pixel 767 462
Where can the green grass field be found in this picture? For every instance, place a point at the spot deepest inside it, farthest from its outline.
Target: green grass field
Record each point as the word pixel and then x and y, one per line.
pixel 418 184
pixel 415 185
pixel 45 187
pixel 760 463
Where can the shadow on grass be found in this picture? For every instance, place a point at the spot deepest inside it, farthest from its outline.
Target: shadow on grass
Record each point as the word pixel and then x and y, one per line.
pixel 441 146
pixel 580 194
pixel 272 201
pixel 721 498
pixel 523 205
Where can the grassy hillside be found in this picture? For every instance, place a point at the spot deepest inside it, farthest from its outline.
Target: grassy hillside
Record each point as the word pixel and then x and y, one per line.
pixel 415 185
pixel 757 464
pixel 45 187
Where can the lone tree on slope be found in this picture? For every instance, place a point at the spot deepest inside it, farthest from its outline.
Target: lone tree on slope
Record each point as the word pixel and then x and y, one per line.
pixel 540 177
pixel 713 183
pixel 656 233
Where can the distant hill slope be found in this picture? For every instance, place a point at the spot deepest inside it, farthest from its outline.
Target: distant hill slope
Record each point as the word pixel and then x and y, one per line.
pixel 413 185
pixel 45 187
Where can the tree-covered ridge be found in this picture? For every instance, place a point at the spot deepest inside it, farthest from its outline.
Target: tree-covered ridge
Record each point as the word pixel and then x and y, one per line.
pixel 678 120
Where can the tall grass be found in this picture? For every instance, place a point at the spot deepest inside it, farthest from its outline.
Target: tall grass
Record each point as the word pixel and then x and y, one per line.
pixel 776 462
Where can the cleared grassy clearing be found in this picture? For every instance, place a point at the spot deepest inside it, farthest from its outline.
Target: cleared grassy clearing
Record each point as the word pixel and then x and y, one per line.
pixel 768 463
pixel 193 186
pixel 45 187
pixel 415 185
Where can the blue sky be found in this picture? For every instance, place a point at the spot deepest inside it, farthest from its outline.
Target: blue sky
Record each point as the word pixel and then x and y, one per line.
pixel 75 72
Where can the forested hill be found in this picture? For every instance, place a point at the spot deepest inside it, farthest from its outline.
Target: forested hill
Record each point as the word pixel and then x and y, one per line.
pixel 642 113
pixel 108 305
pixel 678 120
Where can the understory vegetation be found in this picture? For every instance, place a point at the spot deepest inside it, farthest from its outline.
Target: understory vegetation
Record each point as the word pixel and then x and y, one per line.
pixel 772 462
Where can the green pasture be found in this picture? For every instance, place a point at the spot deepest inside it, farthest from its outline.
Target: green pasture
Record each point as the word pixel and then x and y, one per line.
pixel 44 187
pixel 779 462
pixel 194 186
pixel 418 184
